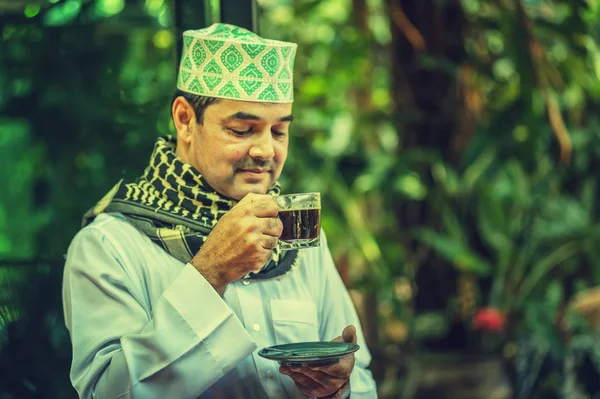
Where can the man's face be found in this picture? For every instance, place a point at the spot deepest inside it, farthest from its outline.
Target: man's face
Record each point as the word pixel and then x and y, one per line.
pixel 242 146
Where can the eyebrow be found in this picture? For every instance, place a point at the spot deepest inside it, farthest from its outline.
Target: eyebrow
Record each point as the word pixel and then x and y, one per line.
pixel 250 117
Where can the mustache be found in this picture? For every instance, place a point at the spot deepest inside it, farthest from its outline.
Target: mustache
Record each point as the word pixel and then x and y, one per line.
pixel 251 163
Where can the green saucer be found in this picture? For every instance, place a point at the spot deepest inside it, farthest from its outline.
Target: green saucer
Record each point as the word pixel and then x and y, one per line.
pixel 308 354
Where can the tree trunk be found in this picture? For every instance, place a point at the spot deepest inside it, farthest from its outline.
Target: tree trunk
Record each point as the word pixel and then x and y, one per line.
pixel 430 85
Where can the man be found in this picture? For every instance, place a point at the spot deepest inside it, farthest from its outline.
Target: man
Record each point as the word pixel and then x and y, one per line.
pixel 177 280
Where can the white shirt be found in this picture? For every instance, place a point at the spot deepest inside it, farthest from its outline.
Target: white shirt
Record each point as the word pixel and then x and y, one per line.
pixel 145 325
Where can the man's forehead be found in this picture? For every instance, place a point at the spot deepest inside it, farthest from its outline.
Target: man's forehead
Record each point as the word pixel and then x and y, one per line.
pixel 248 110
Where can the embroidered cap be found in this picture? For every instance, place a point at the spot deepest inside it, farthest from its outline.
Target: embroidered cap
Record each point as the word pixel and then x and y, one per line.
pixel 227 61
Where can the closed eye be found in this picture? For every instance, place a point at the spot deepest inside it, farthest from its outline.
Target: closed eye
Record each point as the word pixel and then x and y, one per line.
pixel 242 132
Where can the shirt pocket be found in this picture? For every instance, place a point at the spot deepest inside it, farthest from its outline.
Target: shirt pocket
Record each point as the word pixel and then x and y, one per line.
pixel 294 321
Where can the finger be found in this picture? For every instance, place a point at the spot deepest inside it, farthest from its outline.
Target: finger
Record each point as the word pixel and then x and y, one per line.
pixel 251 198
pixel 328 384
pixel 270 242
pixel 341 370
pixel 272 226
pixel 349 334
pixel 259 205
pixel 284 369
pixel 305 381
pixel 266 209
pixel 299 378
pixel 322 378
pixel 321 389
pixel 268 254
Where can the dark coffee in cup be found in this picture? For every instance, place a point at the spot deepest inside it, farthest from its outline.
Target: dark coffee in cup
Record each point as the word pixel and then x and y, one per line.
pixel 300 224
pixel 300 215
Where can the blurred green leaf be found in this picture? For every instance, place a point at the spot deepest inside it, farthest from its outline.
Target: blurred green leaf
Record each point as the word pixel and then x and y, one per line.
pixel 430 325
pixel 411 186
pixel 493 223
pixel 63 13
pixel 561 218
pixel 461 257
pixel 446 178
pixel 554 294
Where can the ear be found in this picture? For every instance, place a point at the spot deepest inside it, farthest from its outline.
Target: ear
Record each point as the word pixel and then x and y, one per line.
pixel 184 119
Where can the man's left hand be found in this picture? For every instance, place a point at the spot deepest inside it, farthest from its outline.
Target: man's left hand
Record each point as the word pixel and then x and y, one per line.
pixel 320 382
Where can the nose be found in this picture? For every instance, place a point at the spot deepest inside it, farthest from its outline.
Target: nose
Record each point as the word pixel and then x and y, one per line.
pixel 262 146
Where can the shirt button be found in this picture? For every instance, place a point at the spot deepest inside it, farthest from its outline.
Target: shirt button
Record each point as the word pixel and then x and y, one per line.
pixel 256 327
pixel 245 282
pixel 269 374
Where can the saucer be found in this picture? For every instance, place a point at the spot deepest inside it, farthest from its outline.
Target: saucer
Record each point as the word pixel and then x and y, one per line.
pixel 308 354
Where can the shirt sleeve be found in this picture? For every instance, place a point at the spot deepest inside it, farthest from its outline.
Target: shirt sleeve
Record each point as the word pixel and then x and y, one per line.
pixel 122 349
pixel 337 311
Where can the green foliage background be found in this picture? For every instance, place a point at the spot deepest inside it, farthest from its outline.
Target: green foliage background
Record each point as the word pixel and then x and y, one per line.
pixel 455 145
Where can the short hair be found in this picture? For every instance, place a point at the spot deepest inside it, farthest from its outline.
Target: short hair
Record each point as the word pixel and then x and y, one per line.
pixel 198 103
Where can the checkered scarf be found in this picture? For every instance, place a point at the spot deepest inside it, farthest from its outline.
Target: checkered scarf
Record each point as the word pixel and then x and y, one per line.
pixel 176 208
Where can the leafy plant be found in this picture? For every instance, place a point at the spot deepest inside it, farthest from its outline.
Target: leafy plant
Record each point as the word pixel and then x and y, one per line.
pixel 514 233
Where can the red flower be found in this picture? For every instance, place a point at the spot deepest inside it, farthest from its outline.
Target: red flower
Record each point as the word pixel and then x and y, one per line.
pixel 489 319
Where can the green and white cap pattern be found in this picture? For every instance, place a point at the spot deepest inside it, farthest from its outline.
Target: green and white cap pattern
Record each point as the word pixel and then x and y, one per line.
pixel 226 61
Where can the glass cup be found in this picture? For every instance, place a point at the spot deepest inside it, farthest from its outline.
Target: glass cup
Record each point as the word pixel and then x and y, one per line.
pixel 301 218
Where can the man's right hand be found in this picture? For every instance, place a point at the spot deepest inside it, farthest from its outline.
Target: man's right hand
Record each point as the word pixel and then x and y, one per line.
pixel 241 241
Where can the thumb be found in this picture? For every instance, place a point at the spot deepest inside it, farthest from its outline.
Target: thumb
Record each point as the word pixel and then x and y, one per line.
pixel 348 335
